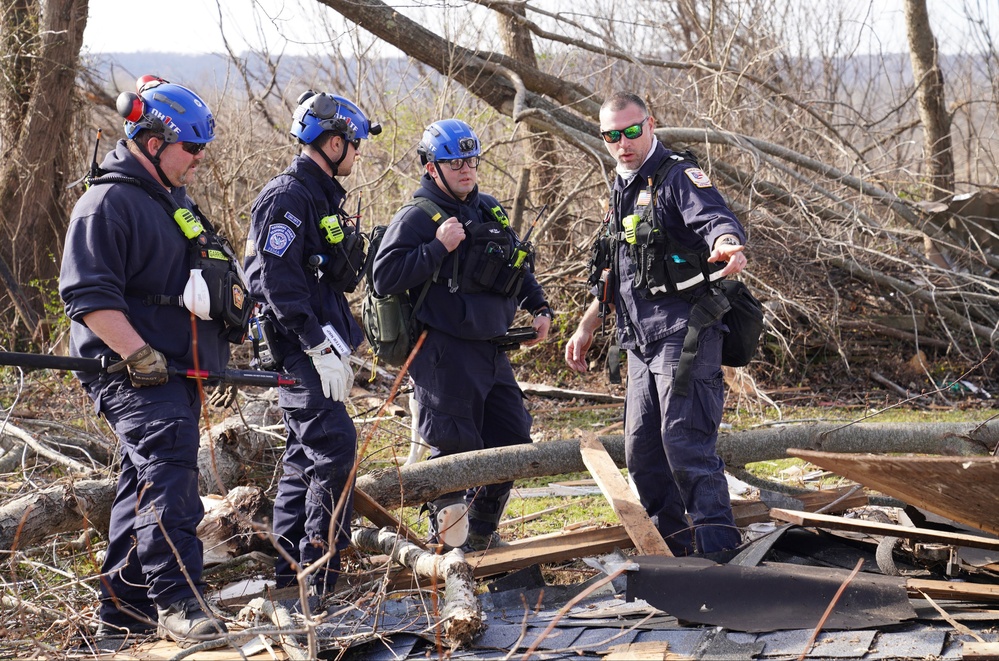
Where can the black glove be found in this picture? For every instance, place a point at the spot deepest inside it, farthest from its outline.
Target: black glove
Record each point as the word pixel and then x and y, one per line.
pixel 224 396
pixel 146 367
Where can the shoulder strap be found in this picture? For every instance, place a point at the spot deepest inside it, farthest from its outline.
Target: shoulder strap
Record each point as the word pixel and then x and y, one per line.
pixel 428 207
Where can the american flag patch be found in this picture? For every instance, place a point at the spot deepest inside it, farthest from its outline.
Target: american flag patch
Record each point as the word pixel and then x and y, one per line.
pixel 697 176
pixel 644 198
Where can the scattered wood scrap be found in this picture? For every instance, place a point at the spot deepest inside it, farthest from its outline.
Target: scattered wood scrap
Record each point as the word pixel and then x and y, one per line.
pixel 963 489
pixel 629 510
pixel 884 529
pixel 542 390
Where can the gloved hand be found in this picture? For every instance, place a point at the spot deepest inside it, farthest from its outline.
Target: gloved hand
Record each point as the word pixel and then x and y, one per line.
pixel 332 372
pixel 146 367
pixel 224 395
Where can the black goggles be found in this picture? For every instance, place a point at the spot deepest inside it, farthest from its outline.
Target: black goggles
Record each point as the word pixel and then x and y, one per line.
pixel 630 132
pixel 193 148
pixel 458 163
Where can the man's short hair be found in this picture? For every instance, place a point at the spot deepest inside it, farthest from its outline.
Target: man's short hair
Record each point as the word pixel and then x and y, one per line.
pixel 620 100
pixel 143 136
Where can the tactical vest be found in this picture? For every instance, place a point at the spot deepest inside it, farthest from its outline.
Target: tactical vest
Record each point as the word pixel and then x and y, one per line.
pixel 486 261
pixel 212 259
pixel 342 262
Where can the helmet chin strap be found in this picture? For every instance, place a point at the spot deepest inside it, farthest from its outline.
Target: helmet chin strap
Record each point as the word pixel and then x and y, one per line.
pixel 335 167
pixel 440 173
pixel 155 160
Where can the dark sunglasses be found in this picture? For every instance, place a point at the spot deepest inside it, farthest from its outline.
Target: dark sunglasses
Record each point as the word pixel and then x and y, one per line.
pixel 356 143
pixel 458 163
pixel 193 148
pixel 630 132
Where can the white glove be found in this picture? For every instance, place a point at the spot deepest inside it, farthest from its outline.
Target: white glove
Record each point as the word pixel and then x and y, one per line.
pixel 334 375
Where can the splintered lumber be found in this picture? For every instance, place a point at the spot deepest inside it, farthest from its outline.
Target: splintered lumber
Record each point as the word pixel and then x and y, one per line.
pixel 381 517
pixel 462 613
pixel 963 489
pixel 636 521
pixel 884 529
pixel 955 590
pixel 550 548
pixel 228 529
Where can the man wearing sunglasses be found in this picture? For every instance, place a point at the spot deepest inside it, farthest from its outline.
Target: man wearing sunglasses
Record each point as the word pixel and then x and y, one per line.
pixel 669 436
pixel 303 254
pixel 458 239
pixel 124 247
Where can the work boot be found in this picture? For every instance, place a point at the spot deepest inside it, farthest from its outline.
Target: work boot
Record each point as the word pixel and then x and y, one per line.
pixel 481 542
pixel 132 629
pixel 185 623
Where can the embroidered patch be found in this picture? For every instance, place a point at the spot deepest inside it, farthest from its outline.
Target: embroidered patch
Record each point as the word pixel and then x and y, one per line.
pixel 697 176
pixel 292 219
pixel 279 237
pixel 644 197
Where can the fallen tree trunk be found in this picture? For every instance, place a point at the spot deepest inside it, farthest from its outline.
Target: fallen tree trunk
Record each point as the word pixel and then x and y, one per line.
pixel 421 482
pixel 228 529
pixel 62 508
pixel 462 613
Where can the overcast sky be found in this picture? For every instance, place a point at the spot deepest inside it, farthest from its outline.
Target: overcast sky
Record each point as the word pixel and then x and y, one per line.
pixel 196 25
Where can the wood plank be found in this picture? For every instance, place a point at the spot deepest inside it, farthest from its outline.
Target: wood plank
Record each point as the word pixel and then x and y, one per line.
pixel 816 500
pixel 979 651
pixel 952 590
pixel 884 529
pixel 636 521
pixel 521 553
pixel 963 489
pixel 366 506
pixel 749 511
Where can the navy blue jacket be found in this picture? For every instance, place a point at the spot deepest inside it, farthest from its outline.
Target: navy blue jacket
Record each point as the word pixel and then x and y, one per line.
pixel 122 246
pixel 692 213
pixel 284 233
pixel 410 254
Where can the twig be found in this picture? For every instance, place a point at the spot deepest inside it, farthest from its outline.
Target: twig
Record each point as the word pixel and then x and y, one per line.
pixel 829 609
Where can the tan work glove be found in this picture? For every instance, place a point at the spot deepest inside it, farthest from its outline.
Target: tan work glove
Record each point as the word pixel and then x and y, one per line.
pixel 146 367
pixel 224 396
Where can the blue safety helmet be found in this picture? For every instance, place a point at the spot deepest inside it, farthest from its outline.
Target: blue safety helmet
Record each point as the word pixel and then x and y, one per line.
pixel 169 110
pixel 318 113
pixel 447 140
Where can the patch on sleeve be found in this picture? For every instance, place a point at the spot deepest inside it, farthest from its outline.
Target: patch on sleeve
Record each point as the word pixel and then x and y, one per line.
pixel 697 176
pixel 279 237
pixel 292 219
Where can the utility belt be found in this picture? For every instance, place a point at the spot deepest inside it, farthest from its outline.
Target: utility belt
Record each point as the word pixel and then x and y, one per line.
pixel 342 265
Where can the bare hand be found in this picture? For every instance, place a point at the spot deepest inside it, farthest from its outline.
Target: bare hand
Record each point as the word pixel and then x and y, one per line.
pixel 576 348
pixel 451 233
pixel 724 252
pixel 541 324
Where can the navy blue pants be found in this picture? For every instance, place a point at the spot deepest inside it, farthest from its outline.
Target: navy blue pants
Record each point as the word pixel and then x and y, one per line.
pixel 469 400
pixel 157 509
pixel 670 444
pixel 318 458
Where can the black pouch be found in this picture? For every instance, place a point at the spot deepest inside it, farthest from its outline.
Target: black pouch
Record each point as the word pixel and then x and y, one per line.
pixel 489 251
pixel 230 302
pixel 344 266
pixel 686 269
pixel 745 324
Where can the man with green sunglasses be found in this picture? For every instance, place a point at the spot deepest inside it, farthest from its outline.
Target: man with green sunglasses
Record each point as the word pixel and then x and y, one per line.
pixel 668 236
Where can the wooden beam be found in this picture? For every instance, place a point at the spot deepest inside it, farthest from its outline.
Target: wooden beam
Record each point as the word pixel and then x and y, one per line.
pixel 952 590
pixel 884 529
pixel 636 521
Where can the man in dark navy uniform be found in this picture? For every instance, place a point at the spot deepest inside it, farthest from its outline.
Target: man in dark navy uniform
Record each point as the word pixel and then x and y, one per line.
pixel 669 437
pixel 459 239
pixel 124 246
pixel 302 253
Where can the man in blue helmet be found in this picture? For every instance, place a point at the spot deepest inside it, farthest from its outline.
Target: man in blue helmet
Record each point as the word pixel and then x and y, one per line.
pixel 303 253
pixel 467 393
pixel 125 248
pixel 675 395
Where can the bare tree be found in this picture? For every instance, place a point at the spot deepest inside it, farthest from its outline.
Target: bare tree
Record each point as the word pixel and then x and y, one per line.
pixel 37 103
